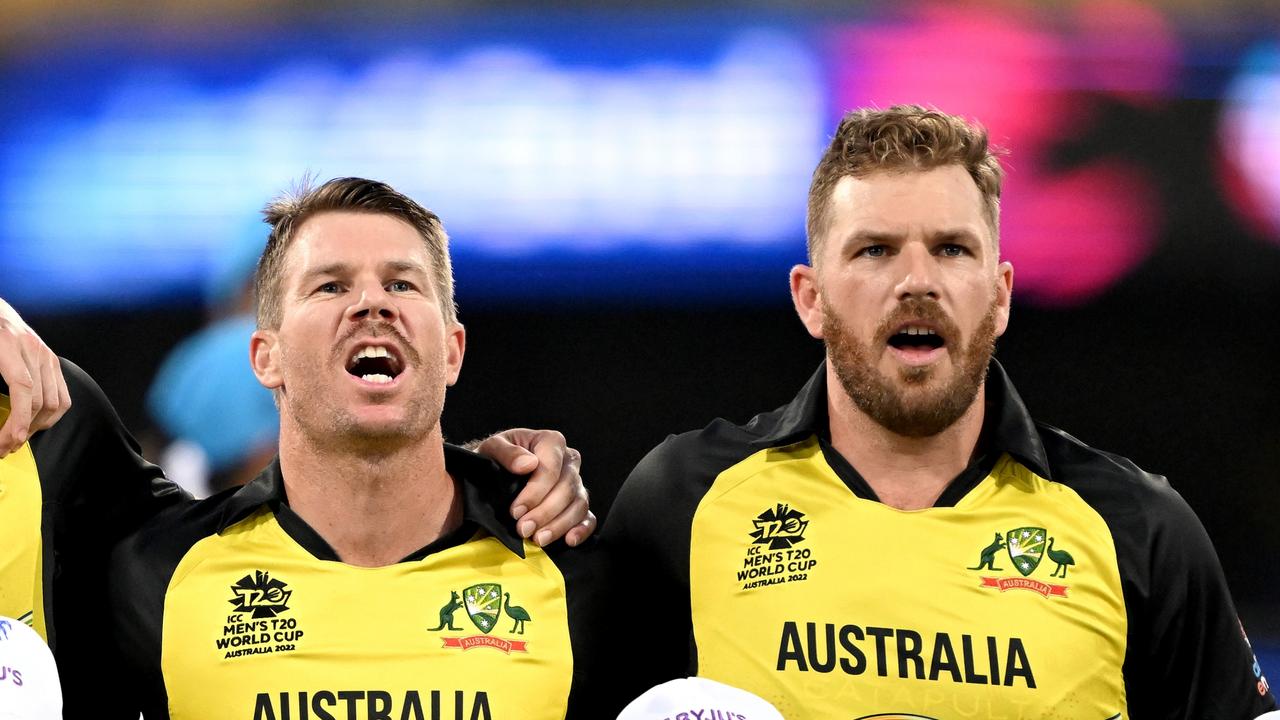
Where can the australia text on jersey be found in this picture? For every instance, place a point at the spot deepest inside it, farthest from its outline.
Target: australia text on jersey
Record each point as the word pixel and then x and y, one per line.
pixel 855 650
pixel 373 705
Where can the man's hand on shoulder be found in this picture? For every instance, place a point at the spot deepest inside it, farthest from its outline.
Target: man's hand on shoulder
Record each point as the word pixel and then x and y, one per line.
pixel 38 394
pixel 553 503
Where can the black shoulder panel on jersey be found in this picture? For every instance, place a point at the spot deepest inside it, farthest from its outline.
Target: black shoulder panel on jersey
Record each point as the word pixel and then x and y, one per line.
pixel 141 567
pixel 1187 656
pixel 589 617
pixel 646 541
pixel 95 467
pixel 97 487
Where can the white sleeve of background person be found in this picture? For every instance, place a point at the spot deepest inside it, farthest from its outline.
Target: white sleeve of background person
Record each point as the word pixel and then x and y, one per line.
pixel 698 698
pixel 29 688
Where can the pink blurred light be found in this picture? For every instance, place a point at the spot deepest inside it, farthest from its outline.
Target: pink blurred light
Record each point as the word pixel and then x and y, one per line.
pixel 997 67
pixel 1249 141
pixel 1074 234
pixel 1070 235
pixel 1125 48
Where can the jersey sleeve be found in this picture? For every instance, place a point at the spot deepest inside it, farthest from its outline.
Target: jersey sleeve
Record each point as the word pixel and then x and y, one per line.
pixel 645 539
pixel 1189 656
pixel 141 568
pixel 592 634
pixel 98 488
pixel 103 486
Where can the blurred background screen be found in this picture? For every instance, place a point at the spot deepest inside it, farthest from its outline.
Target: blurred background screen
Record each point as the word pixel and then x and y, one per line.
pixel 625 188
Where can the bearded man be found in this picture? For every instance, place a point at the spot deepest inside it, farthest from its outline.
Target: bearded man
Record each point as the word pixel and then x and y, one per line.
pixel 836 556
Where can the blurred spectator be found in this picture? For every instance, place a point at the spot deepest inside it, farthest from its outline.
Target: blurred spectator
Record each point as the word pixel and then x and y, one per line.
pixel 205 398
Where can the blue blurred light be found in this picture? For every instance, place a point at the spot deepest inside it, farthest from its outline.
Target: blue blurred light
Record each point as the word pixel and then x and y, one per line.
pixel 560 177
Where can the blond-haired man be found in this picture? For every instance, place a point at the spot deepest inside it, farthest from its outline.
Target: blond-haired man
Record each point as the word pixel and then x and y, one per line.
pixel 902 539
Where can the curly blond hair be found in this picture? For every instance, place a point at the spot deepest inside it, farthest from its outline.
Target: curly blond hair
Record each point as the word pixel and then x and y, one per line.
pixel 901 138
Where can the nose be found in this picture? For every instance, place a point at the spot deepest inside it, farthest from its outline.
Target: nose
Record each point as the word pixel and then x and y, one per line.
pixel 919 273
pixel 373 303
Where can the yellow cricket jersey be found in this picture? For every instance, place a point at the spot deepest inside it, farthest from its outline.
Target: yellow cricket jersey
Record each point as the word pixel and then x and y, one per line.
pixel 21 541
pixel 234 608
pixel 1051 580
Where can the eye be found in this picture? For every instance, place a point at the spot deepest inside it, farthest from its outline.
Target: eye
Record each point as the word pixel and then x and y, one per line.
pixel 400 286
pixel 953 250
pixel 330 288
pixel 874 251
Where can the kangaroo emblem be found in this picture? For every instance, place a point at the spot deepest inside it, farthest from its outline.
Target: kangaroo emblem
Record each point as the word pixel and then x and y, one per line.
pixel 988 559
pixel 446 614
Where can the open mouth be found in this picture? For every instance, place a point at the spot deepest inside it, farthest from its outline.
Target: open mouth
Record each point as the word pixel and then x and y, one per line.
pixel 375 364
pixel 916 337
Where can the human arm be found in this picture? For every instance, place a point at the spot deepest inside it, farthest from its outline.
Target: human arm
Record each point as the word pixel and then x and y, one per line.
pixel 553 502
pixel 98 488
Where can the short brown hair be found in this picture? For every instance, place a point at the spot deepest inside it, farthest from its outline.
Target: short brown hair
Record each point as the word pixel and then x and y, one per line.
pixel 904 137
pixel 286 213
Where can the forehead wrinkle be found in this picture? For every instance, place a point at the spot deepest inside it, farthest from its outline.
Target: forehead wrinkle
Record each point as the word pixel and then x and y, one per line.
pixel 406 266
pixel 333 268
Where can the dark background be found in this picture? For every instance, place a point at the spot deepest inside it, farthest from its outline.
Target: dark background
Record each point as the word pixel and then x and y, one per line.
pixel 1174 366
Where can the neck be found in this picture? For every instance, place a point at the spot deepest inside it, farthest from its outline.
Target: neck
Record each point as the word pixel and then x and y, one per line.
pixel 374 508
pixel 907 473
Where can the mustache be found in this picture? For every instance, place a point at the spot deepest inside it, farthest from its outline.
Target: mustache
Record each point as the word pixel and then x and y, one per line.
pixel 374 329
pixel 914 309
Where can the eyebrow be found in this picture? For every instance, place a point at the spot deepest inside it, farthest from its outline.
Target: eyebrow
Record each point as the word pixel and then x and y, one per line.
pixel 871 236
pixel 959 234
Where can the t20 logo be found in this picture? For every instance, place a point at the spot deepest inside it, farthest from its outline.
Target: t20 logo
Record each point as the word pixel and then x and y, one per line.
pixel 780 527
pixel 261 595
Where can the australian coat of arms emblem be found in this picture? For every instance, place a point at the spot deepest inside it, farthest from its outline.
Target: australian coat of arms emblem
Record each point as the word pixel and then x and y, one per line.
pixel 1024 547
pixel 485 604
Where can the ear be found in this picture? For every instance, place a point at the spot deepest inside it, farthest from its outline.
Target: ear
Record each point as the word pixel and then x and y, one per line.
pixel 264 356
pixel 1004 296
pixel 455 346
pixel 807 298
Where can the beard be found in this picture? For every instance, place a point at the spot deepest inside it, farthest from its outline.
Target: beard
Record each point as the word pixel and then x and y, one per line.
pixel 326 423
pixel 907 405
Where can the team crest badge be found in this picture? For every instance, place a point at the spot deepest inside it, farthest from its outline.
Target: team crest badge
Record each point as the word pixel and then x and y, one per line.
pixel 1026 547
pixel 483 603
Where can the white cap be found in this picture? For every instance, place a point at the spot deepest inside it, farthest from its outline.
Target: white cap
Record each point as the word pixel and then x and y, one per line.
pixel 698 697
pixel 29 688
